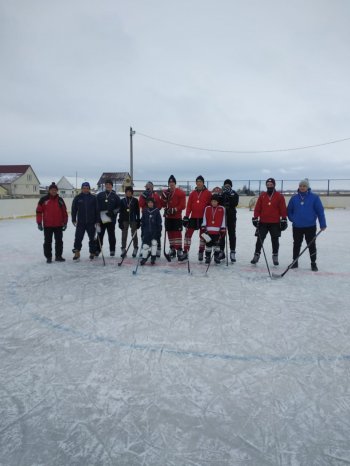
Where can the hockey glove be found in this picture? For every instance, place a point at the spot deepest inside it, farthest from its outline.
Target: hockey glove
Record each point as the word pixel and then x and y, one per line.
pixel 40 226
pixel 255 222
pixel 283 224
pixel 64 228
pixel 185 222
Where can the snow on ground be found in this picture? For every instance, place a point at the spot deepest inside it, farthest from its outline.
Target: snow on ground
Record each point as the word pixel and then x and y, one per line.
pixel 102 367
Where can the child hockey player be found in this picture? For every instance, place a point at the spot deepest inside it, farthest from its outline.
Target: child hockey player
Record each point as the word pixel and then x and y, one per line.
pixel 151 229
pixel 213 228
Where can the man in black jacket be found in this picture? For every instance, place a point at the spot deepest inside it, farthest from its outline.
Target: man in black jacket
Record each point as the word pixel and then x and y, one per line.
pixel 108 203
pixel 229 199
pixel 85 219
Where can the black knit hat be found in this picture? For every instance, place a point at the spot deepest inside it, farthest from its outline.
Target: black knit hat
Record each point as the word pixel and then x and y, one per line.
pixel 200 178
pixel 109 181
pixel 129 188
pixel 271 180
pixel 228 182
pixel 53 186
pixel 150 199
pixel 215 197
pixel 86 184
pixel 172 178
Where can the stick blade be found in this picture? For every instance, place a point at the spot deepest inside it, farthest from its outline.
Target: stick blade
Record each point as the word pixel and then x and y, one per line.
pixel 276 275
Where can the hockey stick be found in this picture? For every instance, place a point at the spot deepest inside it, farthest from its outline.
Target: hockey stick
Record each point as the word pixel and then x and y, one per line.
pixel 167 256
pixel 127 249
pixel 226 238
pixel 276 275
pixel 262 247
pixel 211 256
pixel 100 245
pixel 134 272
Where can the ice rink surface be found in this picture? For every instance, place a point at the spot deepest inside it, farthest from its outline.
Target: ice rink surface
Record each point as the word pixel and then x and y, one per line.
pixel 102 367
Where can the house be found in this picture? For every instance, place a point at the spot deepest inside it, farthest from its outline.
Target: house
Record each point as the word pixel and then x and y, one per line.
pixel 120 180
pixel 66 188
pixel 19 181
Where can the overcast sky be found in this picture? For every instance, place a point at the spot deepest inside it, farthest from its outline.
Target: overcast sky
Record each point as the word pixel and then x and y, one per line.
pixel 240 75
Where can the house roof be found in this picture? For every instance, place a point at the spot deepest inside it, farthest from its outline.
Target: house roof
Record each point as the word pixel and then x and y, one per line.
pixel 64 183
pixel 8 178
pixel 14 169
pixel 114 176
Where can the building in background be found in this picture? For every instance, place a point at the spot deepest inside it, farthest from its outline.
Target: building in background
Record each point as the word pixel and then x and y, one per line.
pixel 66 188
pixel 120 180
pixel 18 181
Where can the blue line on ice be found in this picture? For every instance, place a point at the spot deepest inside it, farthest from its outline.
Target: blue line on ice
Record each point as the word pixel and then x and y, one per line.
pixel 195 354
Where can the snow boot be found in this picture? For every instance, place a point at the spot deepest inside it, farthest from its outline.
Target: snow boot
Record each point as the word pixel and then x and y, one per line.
pixel 135 251
pixel 60 259
pixel 123 252
pixel 112 253
pixel 153 259
pixel 49 260
pixel 255 258
pixel 275 259
pixel 76 254
pixel 233 256
pixel 200 256
pixel 314 267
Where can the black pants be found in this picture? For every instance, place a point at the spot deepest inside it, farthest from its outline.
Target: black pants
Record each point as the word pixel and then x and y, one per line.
pixel 275 233
pixel 298 236
pixel 231 230
pixel 90 229
pixel 110 227
pixel 49 232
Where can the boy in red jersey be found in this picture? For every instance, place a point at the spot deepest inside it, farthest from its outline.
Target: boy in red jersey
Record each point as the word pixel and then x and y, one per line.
pixel 214 227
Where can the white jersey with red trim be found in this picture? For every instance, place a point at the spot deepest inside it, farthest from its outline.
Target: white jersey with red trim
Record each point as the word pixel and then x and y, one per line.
pixel 214 219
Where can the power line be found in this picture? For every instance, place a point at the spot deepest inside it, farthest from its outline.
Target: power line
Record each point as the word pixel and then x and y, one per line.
pixel 241 151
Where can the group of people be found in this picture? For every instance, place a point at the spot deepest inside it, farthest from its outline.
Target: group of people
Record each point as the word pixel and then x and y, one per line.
pixel 212 213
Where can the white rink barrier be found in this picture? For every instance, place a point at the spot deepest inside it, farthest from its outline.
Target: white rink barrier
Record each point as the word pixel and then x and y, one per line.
pixel 19 208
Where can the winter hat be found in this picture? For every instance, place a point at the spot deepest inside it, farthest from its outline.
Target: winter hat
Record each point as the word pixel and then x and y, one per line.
pixel 53 186
pixel 200 178
pixel 172 178
pixel 85 185
pixel 305 182
pixel 129 188
pixel 271 180
pixel 148 184
pixel 228 182
pixel 109 181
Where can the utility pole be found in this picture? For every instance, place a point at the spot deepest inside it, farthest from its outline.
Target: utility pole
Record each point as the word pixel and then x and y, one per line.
pixel 131 156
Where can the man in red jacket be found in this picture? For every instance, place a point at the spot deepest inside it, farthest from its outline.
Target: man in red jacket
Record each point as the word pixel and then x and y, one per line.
pixel 270 216
pixel 174 202
pixel 198 200
pixel 52 218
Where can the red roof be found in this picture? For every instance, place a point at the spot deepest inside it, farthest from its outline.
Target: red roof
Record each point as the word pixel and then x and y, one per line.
pixel 13 168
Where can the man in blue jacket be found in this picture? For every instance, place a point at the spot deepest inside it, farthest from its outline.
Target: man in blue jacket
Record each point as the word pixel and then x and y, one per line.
pixel 84 218
pixel 304 209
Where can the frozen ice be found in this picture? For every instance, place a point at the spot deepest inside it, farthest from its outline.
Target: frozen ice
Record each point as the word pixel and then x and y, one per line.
pixel 102 367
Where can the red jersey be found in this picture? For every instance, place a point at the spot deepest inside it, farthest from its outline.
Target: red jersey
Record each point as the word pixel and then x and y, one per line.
pixel 155 196
pixel 52 211
pixel 270 208
pixel 197 202
pixel 214 219
pixel 175 200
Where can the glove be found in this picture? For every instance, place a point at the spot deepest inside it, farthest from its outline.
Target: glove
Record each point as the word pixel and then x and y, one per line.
pixel 64 228
pixel 40 226
pixel 170 211
pixel 138 224
pixel 255 222
pixel 185 222
pixel 74 223
pixel 98 228
pixel 283 224
pixel 222 232
pixel 120 224
pixel 166 195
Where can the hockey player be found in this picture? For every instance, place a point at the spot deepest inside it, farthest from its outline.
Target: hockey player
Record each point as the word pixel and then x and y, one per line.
pixel 270 216
pixel 108 203
pixel 85 218
pixel 129 217
pixel 304 208
pixel 213 228
pixel 198 200
pixel 151 230
pixel 229 199
pixel 52 218
pixel 149 192
pixel 174 202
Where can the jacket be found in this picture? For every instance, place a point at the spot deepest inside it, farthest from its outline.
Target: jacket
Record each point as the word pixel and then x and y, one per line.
pixel 108 202
pixel 214 219
pixel 129 210
pixel 151 224
pixel 51 211
pixel 304 209
pixel 197 202
pixel 270 209
pixel 229 199
pixel 174 200
pixel 84 209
